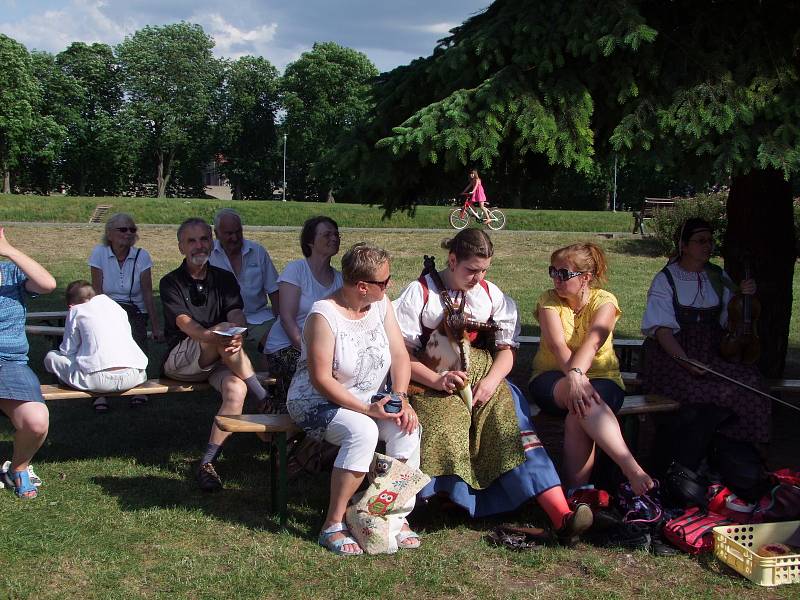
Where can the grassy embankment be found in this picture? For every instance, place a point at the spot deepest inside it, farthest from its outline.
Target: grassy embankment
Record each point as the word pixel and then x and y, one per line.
pixel 119 515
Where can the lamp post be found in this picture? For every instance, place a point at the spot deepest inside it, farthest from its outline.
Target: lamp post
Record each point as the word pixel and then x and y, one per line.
pixel 284 167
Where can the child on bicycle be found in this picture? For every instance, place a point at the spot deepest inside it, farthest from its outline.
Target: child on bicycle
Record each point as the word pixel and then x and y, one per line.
pixel 475 193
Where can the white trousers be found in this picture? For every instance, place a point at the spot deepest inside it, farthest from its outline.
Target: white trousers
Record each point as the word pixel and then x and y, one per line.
pixel 357 435
pixel 67 370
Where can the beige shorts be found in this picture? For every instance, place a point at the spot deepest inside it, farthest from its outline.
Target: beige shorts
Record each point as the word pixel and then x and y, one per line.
pixel 183 364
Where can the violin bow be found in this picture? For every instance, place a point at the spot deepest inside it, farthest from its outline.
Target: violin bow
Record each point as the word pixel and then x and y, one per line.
pixel 700 365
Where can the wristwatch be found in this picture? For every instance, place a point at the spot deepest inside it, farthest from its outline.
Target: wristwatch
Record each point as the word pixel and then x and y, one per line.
pixel 577 370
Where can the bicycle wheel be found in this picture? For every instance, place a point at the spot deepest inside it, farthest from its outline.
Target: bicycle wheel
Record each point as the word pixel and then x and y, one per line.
pixel 459 219
pixel 497 220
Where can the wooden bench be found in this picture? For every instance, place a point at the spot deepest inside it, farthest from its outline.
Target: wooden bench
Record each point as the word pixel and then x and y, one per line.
pixel 280 426
pixel 626 348
pixel 650 208
pixel 99 213
pixel 47 315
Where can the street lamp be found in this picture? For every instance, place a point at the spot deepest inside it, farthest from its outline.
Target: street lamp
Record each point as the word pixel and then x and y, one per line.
pixel 284 167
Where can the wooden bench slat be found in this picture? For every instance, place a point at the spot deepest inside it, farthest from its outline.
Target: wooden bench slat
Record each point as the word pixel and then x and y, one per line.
pixel 256 423
pixel 644 404
pixel 150 387
pixel 47 314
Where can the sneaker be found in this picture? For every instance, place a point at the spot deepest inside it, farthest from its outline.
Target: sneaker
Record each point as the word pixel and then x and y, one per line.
pixel 207 478
pixel 34 477
pixel 575 523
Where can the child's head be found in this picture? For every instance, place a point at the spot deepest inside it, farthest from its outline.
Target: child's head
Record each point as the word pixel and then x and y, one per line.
pixel 79 292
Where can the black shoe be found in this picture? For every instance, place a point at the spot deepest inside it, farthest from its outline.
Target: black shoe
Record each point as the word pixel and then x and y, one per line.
pixel 626 535
pixel 207 478
pixel 575 523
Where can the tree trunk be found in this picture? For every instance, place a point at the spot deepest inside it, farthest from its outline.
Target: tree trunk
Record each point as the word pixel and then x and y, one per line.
pixel 6 180
pixel 761 227
pixel 164 171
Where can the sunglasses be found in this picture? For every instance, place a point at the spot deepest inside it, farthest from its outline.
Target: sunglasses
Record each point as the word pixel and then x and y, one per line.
pixel 562 274
pixel 126 229
pixel 380 284
pixel 198 294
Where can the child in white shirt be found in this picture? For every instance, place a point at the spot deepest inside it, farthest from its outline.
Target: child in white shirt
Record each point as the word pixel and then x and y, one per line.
pixel 98 353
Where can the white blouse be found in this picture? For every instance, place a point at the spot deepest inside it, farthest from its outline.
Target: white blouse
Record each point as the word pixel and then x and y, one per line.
pixel 117 280
pixel 694 290
pixel 479 306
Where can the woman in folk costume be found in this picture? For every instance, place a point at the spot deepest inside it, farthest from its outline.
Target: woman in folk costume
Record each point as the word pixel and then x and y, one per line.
pixel 478 442
pixel 685 315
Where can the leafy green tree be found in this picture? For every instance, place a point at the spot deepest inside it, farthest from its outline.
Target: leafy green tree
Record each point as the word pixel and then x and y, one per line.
pixel 18 96
pixel 99 151
pixel 705 90
pixel 247 133
pixel 170 79
pixel 325 95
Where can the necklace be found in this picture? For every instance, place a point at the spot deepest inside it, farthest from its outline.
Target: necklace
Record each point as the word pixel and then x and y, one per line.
pixel 584 302
pixel 352 313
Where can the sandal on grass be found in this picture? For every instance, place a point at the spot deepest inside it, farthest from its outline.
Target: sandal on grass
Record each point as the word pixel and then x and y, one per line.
pixel 20 482
pixel 100 405
pixel 138 401
pixel 336 546
pixel 408 539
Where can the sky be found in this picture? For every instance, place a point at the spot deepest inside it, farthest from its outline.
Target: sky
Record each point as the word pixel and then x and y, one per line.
pixel 389 32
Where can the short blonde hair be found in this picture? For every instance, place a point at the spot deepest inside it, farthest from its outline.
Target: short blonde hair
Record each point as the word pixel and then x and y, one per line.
pixel 361 262
pixel 586 258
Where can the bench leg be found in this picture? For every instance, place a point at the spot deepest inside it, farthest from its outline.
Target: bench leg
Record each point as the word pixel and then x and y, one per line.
pixel 278 477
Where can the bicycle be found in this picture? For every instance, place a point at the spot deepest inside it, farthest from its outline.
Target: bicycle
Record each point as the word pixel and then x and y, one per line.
pixel 493 218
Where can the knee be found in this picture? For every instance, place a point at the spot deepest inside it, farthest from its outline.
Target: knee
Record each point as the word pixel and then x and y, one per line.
pixel 36 421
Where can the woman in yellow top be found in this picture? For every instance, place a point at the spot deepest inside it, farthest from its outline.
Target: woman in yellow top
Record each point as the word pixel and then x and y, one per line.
pixel 575 371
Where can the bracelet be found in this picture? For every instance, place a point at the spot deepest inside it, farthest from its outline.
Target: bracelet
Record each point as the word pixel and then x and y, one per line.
pixel 402 395
pixel 577 370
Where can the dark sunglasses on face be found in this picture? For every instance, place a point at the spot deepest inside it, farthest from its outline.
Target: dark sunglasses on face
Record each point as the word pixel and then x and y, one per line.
pixel 562 274
pixel 198 293
pixel 380 284
pixel 126 229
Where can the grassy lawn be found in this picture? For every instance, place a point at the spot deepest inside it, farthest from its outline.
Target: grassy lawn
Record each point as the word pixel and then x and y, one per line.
pixel 119 515
pixel 60 209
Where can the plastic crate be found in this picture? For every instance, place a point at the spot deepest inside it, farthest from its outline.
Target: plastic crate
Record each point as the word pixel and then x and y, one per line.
pixel 735 545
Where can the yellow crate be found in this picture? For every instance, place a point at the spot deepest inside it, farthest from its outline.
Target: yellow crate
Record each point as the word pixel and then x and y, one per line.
pixel 735 545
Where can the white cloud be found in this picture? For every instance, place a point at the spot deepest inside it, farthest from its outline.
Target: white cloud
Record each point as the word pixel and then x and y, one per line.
pixel 435 28
pixel 233 42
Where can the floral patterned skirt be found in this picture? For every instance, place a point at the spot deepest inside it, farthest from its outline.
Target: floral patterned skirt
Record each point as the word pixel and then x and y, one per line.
pixel 664 375
pixel 282 365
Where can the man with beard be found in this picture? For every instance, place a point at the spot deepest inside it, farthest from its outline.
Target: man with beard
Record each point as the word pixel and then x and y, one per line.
pixel 252 266
pixel 201 306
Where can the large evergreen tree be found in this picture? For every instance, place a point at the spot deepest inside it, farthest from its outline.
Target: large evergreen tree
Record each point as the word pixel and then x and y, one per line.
pixel 707 89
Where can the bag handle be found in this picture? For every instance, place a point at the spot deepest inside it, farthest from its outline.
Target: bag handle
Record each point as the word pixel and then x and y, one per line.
pixel 133 276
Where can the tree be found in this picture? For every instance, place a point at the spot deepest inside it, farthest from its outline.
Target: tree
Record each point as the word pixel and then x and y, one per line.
pixel 170 78
pixel 707 90
pixel 18 95
pixel 325 94
pixel 247 133
pixel 99 150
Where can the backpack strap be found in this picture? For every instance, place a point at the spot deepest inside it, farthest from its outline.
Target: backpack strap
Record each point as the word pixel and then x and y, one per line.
pixel 426 331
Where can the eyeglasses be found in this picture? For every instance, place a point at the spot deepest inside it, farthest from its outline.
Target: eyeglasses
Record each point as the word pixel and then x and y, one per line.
pixel 562 274
pixel 126 229
pixel 380 284
pixel 702 240
pixel 198 294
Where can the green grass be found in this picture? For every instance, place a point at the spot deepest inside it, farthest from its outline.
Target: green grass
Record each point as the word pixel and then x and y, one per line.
pixel 119 515
pixel 58 209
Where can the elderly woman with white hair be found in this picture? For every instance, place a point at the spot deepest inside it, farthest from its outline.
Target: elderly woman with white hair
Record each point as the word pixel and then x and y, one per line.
pixel 351 342
pixel 123 272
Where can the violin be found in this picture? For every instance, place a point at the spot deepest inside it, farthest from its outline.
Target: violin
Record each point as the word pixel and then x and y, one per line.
pixel 740 344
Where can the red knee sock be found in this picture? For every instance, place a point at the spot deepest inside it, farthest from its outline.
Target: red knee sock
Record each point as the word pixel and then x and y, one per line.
pixel 554 504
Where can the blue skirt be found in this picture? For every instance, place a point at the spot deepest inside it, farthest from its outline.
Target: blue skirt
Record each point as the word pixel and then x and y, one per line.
pixel 513 488
pixel 19 382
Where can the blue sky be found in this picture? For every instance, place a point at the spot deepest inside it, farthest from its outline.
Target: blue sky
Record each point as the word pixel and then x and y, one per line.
pixel 391 33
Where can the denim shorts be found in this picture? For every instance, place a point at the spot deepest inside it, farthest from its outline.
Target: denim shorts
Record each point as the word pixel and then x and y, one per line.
pixel 541 392
pixel 19 382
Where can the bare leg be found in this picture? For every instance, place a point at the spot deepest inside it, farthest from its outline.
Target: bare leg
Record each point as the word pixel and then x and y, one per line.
pixel 578 453
pixel 233 391
pixel 601 425
pixel 31 420
pixel 344 484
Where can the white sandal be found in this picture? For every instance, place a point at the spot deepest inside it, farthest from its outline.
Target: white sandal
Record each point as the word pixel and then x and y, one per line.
pixel 408 540
pixel 336 546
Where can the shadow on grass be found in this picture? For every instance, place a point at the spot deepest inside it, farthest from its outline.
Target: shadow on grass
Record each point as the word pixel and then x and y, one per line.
pixel 647 247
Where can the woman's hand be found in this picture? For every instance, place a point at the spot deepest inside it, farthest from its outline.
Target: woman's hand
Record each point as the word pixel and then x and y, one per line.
pixel 483 391
pixel 5 245
pixel 451 381
pixel 697 371
pixel 407 420
pixel 748 287
pixel 158 334
pixel 580 394
pixel 376 411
